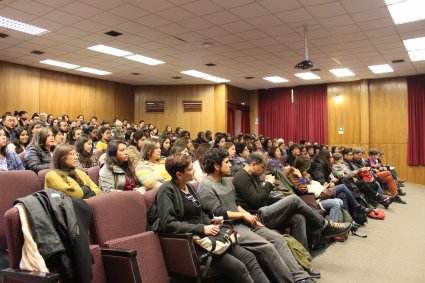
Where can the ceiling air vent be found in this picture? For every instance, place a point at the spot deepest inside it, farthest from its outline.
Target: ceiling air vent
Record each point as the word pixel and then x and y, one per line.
pixel 155 106
pixel 3 35
pixel 192 105
pixel 113 33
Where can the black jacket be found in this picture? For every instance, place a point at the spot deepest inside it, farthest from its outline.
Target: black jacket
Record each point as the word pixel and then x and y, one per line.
pixel 59 226
pixel 319 171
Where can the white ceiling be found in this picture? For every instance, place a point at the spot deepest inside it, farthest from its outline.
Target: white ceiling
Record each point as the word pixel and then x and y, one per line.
pixel 249 38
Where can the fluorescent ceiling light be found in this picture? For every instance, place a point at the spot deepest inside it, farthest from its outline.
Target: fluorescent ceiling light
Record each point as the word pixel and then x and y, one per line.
pixel 416 48
pixel 406 11
pixel 342 72
pixel 204 76
pixel 109 50
pixel 93 71
pixel 59 64
pixel 216 79
pixel 144 59
pixel 379 69
pixel 22 27
pixel 308 76
pixel 194 73
pixel 276 79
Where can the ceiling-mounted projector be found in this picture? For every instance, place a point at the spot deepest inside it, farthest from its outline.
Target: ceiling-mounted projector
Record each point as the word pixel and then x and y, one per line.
pixel 304 65
pixel 307 63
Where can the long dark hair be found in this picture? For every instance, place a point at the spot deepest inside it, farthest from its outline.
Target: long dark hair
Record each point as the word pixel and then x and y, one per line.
pixel 324 156
pixel 111 159
pixel 39 139
pixel 3 149
pixel 83 156
pixel 16 139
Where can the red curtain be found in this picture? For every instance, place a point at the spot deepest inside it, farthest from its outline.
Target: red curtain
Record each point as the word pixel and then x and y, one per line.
pixel 305 118
pixel 230 122
pixel 231 107
pixel 416 120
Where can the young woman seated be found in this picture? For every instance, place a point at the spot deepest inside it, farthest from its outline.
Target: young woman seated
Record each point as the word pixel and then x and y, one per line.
pixel 20 141
pixel 321 171
pixel 66 178
pixel 150 171
pixel 180 211
pixel 304 184
pixel 198 164
pixel 273 161
pixel 239 162
pixel 117 174
pixel 8 160
pixel 85 156
pixel 136 145
pixel 39 153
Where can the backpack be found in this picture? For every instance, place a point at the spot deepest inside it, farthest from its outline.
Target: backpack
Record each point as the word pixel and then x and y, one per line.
pixel 302 256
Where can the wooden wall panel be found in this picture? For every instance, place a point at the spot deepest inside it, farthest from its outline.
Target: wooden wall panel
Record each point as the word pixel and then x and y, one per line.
pixel 220 108
pixel 388 115
pixel 346 114
pixel 376 111
pixel 40 90
pixel 174 115
pixel 19 88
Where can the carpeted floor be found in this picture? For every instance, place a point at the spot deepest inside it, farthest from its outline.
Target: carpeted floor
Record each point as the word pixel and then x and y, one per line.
pixel 393 252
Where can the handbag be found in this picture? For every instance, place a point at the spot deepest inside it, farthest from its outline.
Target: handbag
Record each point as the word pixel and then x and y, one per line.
pixel 219 243
pixel 327 194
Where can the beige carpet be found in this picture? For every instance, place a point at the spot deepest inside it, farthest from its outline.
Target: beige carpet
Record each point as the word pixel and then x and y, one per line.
pixel 394 250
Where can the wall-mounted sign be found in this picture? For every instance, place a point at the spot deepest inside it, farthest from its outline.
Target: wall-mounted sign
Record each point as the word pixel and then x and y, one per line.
pixel 340 130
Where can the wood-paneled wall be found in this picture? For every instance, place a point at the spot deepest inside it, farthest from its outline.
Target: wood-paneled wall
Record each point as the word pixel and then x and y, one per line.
pixel 374 115
pixel 212 117
pixel 250 98
pixel 39 90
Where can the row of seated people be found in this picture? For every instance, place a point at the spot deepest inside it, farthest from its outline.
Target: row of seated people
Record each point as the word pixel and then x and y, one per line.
pixel 150 173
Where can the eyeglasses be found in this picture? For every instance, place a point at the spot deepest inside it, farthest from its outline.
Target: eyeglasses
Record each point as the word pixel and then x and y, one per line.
pixel 195 202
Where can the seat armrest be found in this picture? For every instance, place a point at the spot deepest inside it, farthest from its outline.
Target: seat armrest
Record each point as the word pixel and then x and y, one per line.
pixel 188 236
pixel 29 276
pixel 121 265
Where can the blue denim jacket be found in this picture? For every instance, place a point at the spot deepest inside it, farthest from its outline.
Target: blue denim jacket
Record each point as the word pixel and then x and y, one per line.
pixel 13 161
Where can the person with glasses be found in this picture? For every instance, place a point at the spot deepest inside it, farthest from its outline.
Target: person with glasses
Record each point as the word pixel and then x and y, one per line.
pixel 180 211
pixel 218 197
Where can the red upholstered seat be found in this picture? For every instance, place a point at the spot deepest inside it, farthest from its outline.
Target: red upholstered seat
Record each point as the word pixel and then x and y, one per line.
pixel 41 177
pixel 13 185
pixel 93 173
pixel 120 221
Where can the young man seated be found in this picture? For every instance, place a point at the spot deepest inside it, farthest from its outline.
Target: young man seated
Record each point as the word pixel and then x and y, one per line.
pixel 218 198
pixel 289 212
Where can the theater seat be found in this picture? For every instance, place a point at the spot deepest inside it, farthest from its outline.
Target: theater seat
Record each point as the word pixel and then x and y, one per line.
pixel 119 222
pixel 93 173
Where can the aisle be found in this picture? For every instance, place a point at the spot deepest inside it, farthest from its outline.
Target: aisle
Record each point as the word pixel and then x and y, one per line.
pixel 393 252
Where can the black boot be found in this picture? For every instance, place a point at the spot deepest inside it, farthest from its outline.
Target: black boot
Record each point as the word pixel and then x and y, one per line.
pixel 398 199
pixel 384 200
pixel 400 192
pixel 363 209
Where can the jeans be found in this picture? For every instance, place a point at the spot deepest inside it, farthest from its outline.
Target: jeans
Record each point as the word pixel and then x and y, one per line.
pixel 272 253
pixel 240 265
pixel 292 212
pixel 346 195
pixel 333 205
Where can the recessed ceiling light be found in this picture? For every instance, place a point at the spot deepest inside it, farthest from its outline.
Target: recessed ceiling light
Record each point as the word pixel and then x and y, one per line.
pixel 416 48
pixel 342 72
pixel 93 71
pixel 37 52
pixel 276 79
pixel 109 50
pixel 59 64
pixel 397 61
pixel 379 69
pixel 194 73
pixel 406 11
pixel 144 59
pixel 216 79
pixel 113 33
pixel 22 27
pixel 307 76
